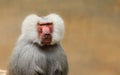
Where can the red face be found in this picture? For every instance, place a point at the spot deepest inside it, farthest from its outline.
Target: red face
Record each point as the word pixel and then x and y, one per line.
pixel 45 32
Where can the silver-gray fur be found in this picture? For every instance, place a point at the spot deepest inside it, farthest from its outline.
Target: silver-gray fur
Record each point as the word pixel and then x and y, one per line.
pixel 31 59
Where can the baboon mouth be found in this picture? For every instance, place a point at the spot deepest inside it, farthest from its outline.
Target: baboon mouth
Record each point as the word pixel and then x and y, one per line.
pixel 46 40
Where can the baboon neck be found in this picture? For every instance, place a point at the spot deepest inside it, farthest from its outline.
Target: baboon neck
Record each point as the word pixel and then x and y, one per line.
pixel 47 48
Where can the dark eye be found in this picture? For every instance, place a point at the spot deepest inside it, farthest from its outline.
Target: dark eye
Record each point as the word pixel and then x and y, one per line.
pixel 43 24
pixel 49 23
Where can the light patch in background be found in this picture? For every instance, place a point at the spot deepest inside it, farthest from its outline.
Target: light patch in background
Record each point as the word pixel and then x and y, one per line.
pixel 3 72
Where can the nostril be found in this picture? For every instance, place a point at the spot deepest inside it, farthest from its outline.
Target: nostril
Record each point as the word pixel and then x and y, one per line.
pixel 47 35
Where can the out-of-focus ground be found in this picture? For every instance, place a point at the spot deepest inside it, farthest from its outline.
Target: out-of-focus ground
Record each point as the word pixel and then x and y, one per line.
pixel 92 37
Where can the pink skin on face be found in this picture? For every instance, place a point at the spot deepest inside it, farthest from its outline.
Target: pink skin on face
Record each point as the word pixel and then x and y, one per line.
pixel 45 32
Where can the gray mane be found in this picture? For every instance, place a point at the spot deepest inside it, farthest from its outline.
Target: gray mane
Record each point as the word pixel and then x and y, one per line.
pixel 32 59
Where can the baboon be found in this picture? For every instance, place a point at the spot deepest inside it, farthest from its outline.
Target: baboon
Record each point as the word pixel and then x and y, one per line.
pixel 38 50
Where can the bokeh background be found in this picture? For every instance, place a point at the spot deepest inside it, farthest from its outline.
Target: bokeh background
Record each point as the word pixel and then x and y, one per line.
pixel 92 37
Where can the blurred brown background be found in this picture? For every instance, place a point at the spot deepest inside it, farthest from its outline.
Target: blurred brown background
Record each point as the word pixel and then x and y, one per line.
pixel 92 37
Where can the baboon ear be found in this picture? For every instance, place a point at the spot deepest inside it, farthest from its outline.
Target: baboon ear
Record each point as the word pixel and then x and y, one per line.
pixel 55 18
pixel 29 21
pixel 58 27
pixel 29 30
